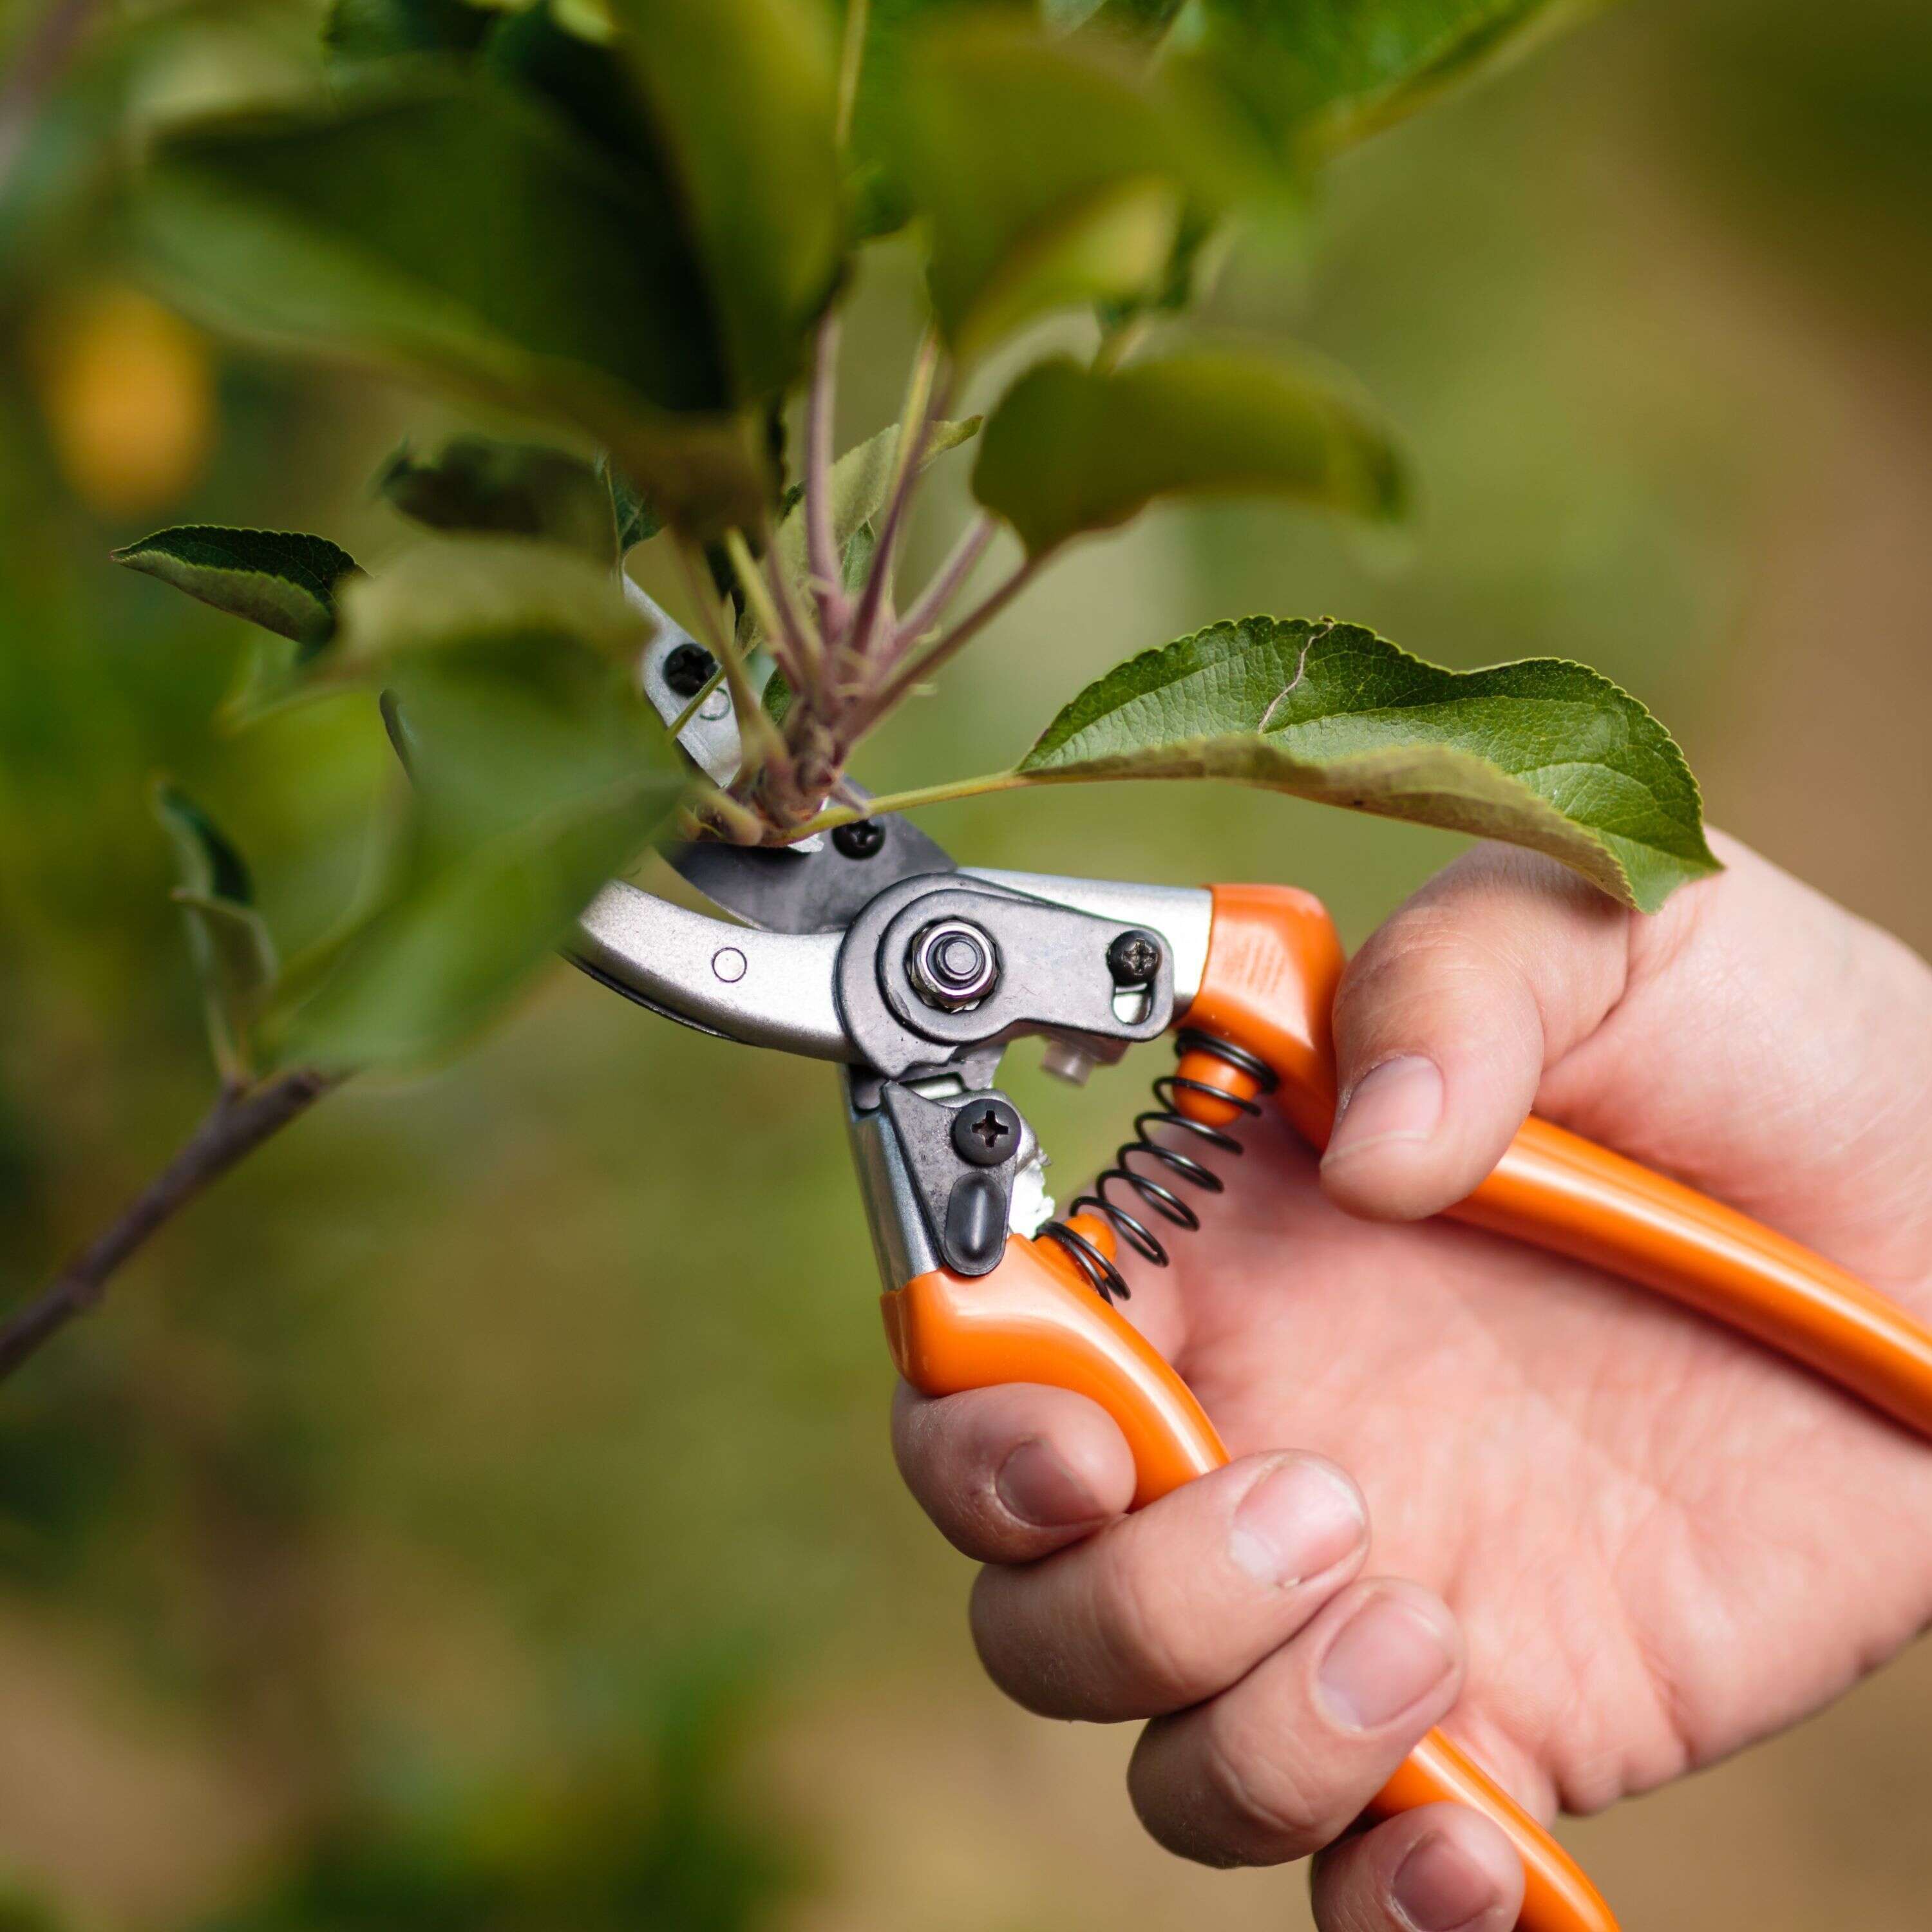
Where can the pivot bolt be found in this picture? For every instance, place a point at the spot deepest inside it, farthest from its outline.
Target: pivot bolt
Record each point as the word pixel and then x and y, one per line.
pixel 861 839
pixel 1134 959
pixel 985 1132
pixel 688 669
pixel 953 965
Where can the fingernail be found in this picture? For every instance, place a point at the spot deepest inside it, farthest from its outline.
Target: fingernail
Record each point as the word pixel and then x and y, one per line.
pixel 1400 1100
pixel 1039 1489
pixel 1388 1655
pixel 1438 1886
pixel 1295 1523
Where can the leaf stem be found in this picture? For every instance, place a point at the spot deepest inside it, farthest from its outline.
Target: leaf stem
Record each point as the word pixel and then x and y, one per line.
pixel 795 620
pixel 915 425
pixel 946 580
pixel 755 726
pixel 698 697
pixel 237 1123
pixel 764 611
pixel 1118 343
pixel 894 690
pixel 821 552
pixel 910 801
pixel 851 60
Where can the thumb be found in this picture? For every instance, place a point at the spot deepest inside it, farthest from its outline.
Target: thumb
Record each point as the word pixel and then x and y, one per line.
pixel 1447 1018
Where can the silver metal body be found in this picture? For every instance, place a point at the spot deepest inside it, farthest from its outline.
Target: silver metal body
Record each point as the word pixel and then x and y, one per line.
pixel 798 990
pixel 1182 915
pixel 765 988
pixel 902 1242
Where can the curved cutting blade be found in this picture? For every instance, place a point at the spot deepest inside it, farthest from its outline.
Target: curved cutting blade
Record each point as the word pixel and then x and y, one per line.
pixel 785 890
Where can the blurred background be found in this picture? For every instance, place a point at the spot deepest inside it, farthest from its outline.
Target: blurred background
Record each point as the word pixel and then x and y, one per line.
pixel 478 1513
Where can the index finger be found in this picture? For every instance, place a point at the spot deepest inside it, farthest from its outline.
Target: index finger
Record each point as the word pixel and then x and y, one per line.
pixel 1012 1473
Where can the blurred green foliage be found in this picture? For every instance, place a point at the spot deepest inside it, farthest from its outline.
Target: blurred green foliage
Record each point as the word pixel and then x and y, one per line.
pixel 649 1823
pixel 478 1403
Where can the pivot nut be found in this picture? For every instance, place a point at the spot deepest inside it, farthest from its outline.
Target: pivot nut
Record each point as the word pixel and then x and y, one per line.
pixel 953 964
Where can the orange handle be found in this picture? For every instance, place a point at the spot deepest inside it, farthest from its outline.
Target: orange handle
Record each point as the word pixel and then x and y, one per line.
pixel 1034 1319
pixel 1273 963
pixel 1269 984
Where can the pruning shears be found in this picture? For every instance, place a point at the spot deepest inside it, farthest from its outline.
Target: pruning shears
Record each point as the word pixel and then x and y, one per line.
pixel 871 948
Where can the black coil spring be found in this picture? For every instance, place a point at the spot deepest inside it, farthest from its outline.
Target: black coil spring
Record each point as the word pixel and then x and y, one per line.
pixel 1105 1278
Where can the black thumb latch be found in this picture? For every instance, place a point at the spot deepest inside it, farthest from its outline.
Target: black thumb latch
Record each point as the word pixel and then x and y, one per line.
pixel 975 1223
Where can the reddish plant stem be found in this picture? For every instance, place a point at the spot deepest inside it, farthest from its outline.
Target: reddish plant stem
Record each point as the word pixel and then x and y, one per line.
pixel 800 638
pixel 946 583
pixel 821 553
pixel 237 1123
pixel 969 627
pixel 917 426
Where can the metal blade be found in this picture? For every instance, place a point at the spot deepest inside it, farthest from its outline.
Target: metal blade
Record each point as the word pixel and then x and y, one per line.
pixel 784 890
pixel 817 885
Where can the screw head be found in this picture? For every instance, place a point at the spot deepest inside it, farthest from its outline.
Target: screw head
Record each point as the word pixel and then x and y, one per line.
pixel 688 669
pixel 861 839
pixel 953 965
pixel 986 1132
pixel 1134 959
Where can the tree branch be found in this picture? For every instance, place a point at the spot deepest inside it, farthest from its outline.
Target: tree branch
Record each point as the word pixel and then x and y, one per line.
pixel 235 1126
pixel 851 60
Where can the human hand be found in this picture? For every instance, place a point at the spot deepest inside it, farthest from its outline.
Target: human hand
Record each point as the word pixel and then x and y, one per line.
pixel 1636 1542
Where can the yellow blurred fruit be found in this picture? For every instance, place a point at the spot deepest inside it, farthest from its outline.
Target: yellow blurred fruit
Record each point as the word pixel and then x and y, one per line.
pixel 128 390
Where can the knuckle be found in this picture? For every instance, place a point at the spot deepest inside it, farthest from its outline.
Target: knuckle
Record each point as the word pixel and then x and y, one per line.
pixel 1144 1633
pixel 1428 964
pixel 1268 1798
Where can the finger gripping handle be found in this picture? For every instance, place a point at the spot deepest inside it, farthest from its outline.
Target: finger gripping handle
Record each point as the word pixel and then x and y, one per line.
pixel 1274 963
pixel 1034 1319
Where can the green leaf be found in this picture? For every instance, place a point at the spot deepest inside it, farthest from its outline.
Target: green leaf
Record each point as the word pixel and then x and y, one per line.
pixel 893 28
pixel 286 582
pixel 1070 449
pixel 860 479
pixel 1326 73
pixel 538 773
pixel 461 592
pixel 733 101
pixel 637 515
pixel 1049 172
pixel 234 956
pixel 475 483
pixel 356 31
pixel 441 225
pixel 1539 753
pixel 743 97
